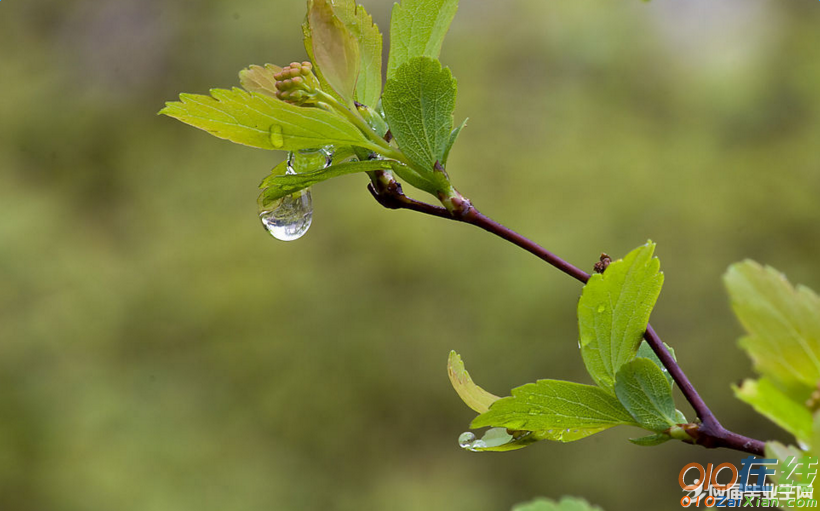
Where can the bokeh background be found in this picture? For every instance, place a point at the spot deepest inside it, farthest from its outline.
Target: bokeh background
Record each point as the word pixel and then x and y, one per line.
pixel 160 352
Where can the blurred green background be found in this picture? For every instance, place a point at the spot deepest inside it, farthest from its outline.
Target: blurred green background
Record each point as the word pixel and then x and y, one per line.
pixel 159 351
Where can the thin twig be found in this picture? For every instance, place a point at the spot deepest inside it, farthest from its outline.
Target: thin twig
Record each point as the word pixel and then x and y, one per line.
pixel 708 433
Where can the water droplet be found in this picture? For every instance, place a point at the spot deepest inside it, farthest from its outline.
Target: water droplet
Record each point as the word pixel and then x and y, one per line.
pixel 291 217
pixel 466 440
pixel 308 160
pixel 276 137
pixel 601 308
pixel 470 442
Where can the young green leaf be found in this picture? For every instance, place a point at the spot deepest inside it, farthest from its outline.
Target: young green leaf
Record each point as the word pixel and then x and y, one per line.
pixel 473 396
pixel 646 351
pixel 566 504
pixel 259 121
pixel 260 79
pixel 783 324
pixel 278 186
pixel 419 104
pixel 277 171
pixel 430 182
pixel 651 440
pixel 552 405
pixel 614 310
pixel 360 24
pixel 644 391
pixel 417 29
pixel 498 440
pixel 451 142
pixel 333 49
pixel 779 407
pixel 781 453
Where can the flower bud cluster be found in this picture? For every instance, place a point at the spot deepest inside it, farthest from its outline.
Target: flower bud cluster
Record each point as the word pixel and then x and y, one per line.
pixel 296 83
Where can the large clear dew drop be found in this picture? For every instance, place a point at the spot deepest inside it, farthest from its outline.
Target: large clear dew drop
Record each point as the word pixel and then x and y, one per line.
pixel 290 218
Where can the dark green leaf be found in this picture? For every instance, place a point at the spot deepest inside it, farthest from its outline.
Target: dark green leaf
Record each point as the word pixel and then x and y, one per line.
pixel 418 105
pixel 646 351
pixel 559 408
pixel 417 29
pixel 644 391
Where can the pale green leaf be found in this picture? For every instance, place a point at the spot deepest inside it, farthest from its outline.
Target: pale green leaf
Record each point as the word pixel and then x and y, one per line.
pixel 417 29
pixel 651 440
pixel 281 185
pixel 503 439
pixel 343 154
pixel 430 183
pixel 418 105
pixel 614 310
pixel 644 391
pixel 373 119
pixel 556 408
pixel 452 141
pixel 360 24
pixel 277 171
pixel 814 446
pixel 473 396
pixel 260 121
pixel 565 504
pixel 260 79
pixel 781 453
pixel 333 49
pixel 777 406
pixel 783 324
pixel 500 440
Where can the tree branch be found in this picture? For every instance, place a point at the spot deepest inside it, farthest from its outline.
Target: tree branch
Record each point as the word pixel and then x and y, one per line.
pixel 709 432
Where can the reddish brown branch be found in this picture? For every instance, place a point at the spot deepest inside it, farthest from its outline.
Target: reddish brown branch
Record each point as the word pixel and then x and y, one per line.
pixel 708 433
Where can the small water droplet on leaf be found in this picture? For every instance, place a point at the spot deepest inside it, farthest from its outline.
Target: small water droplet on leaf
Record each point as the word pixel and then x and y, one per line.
pixel 276 137
pixel 466 439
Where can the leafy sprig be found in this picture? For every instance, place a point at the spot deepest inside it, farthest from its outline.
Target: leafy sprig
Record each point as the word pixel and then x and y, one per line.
pixel 406 133
pixel 335 99
pixel 632 388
